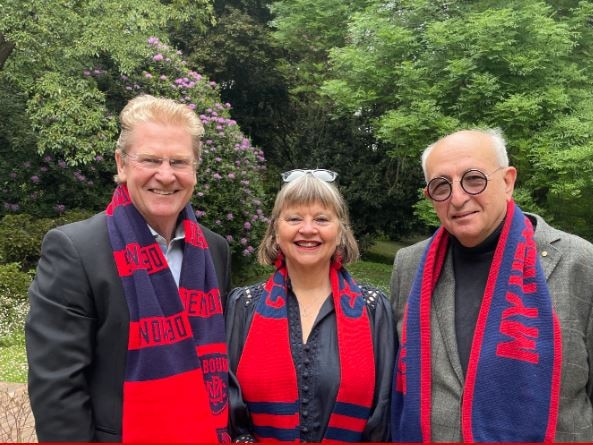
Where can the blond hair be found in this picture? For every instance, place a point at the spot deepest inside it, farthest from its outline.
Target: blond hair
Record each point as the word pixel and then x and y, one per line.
pixel 160 110
pixel 308 190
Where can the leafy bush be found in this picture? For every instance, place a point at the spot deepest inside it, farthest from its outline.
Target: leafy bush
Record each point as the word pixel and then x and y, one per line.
pixel 46 186
pixel 21 235
pixel 20 238
pixel 230 194
pixel 13 301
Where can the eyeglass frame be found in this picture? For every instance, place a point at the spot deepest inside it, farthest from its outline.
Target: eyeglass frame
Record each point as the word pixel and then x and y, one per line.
pixel 134 157
pixel 450 183
pixel 313 172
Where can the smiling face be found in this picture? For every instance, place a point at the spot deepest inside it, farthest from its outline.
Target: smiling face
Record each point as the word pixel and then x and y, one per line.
pixel 308 236
pixel 159 194
pixel 470 218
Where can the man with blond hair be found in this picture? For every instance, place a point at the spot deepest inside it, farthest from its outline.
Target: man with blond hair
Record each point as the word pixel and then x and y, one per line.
pixel 125 335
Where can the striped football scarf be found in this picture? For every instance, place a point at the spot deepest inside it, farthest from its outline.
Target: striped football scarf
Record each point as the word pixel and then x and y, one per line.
pixel 176 379
pixel 267 375
pixel 512 385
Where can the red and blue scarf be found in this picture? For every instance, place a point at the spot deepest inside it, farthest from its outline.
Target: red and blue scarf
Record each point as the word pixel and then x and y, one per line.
pixel 512 385
pixel 176 379
pixel 266 371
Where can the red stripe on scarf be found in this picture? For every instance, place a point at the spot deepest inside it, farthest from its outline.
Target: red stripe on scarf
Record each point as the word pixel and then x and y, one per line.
pixel 199 303
pixel 135 257
pixel 354 346
pixel 432 270
pixel 168 410
pixel 213 348
pixel 158 331
pixel 480 329
pixel 286 421
pixel 263 364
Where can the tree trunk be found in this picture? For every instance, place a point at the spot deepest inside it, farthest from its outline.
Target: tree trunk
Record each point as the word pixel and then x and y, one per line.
pixel 6 48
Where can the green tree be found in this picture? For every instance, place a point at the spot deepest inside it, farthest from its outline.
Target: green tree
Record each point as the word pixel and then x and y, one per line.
pixel 420 69
pixel 69 106
pixel 53 41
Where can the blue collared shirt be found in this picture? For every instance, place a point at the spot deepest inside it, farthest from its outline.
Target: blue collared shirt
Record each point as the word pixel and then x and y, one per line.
pixel 174 251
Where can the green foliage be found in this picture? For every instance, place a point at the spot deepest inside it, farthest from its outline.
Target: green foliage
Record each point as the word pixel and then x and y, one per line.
pixel 13 301
pixel 67 113
pixel 74 66
pixel 21 236
pixel 229 196
pixel 55 40
pixel 418 70
pixel 375 274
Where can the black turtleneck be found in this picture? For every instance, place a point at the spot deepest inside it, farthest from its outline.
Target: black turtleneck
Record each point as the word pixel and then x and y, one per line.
pixel 471 266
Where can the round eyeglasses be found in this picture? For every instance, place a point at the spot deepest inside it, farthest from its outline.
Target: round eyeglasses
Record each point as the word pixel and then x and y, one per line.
pixel 473 182
pixel 319 173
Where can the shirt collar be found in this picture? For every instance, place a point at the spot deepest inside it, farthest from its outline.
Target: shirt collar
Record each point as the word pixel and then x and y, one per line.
pixel 179 233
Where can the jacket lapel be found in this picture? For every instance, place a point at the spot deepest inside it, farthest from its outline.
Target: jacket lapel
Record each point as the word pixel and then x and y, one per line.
pixel 444 315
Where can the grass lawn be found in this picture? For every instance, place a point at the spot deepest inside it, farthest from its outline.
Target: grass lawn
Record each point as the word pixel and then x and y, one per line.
pixel 13 361
pixel 375 274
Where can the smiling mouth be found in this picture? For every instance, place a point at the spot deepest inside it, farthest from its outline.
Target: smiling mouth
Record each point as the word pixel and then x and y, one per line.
pixel 463 215
pixel 308 243
pixel 162 192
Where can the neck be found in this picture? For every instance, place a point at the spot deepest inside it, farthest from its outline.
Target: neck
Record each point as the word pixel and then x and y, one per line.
pixel 165 232
pixel 309 283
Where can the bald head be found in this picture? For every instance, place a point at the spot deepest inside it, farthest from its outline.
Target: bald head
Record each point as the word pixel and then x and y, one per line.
pixel 470 139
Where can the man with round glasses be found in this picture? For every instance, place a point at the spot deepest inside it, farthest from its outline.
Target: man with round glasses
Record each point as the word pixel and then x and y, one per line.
pixel 494 312
pixel 125 334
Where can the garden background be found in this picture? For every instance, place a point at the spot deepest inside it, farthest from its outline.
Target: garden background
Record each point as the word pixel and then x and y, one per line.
pixel 357 86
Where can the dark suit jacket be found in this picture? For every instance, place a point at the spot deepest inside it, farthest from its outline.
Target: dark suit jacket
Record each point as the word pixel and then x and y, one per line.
pixel 567 261
pixel 77 332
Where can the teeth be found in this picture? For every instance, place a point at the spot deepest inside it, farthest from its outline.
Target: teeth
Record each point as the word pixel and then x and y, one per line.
pixel 307 243
pixel 162 192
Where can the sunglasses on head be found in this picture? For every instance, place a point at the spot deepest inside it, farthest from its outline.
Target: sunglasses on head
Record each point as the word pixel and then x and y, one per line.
pixel 319 173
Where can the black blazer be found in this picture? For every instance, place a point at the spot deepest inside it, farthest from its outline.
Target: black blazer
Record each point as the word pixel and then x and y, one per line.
pixel 77 332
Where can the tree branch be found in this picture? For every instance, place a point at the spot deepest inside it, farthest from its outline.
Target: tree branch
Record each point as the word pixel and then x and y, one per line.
pixel 6 49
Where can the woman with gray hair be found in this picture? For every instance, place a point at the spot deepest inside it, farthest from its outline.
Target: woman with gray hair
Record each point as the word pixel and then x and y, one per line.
pixel 312 351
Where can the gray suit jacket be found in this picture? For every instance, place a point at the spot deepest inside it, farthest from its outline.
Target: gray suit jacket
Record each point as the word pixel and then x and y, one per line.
pixel 567 261
pixel 77 332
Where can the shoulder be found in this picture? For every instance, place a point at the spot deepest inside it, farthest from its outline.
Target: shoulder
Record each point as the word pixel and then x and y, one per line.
pixel 547 237
pixel 413 250
pixel 84 232
pixel 408 257
pixel 246 296
pixel 373 296
pixel 213 239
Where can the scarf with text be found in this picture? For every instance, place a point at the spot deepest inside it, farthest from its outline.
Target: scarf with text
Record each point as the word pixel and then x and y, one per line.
pixel 512 385
pixel 176 380
pixel 266 371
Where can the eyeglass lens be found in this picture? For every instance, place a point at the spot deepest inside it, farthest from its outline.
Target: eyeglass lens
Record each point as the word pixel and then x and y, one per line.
pixel 473 182
pixel 154 162
pixel 322 174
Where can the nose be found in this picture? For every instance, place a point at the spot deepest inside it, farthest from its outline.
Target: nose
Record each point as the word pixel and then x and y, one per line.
pixel 458 195
pixel 165 172
pixel 307 227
